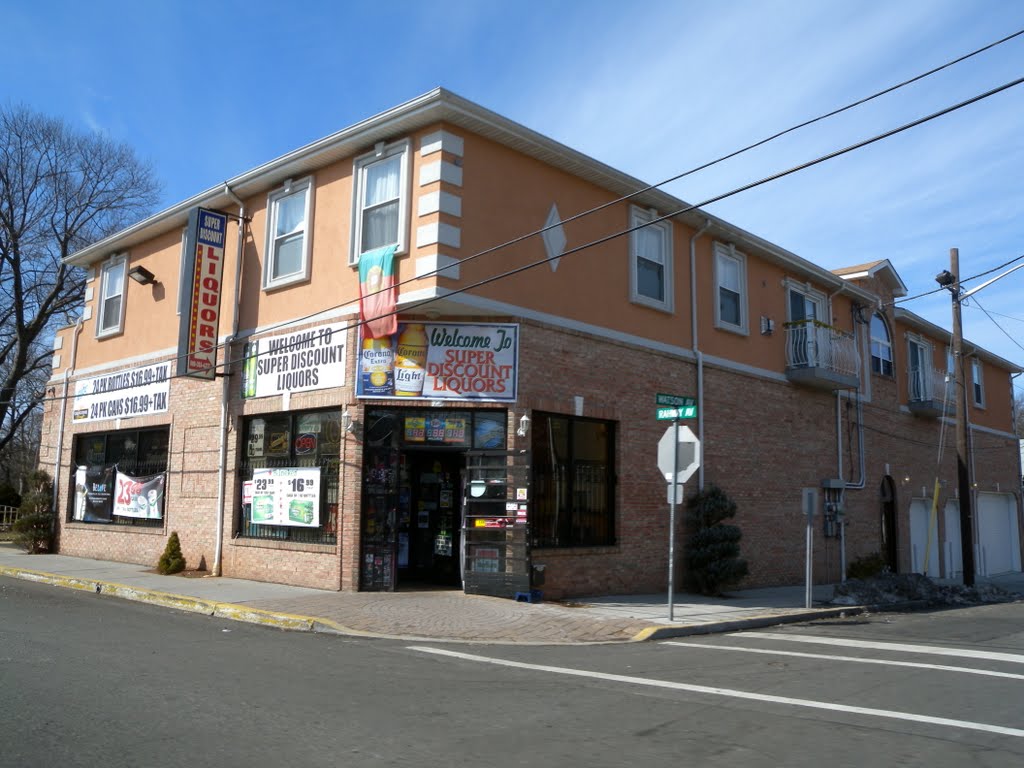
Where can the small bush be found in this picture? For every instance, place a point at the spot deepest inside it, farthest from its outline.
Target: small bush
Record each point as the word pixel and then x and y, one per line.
pixel 171 561
pixel 867 566
pixel 33 530
pixel 713 547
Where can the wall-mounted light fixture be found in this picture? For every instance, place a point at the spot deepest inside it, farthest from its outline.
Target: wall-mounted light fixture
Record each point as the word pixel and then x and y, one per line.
pixel 524 426
pixel 141 275
pixel 347 422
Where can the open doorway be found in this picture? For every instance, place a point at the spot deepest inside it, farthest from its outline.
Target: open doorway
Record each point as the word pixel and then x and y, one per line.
pixel 890 550
pixel 429 532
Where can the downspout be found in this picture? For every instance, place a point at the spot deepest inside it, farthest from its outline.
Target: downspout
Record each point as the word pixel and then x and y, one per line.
pixel 63 412
pixel 225 393
pixel 696 348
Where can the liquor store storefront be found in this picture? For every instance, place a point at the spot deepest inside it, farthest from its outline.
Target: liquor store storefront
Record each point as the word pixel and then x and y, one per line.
pixel 414 464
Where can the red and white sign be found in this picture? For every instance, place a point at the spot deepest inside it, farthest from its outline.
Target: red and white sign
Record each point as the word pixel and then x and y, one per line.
pixel 197 341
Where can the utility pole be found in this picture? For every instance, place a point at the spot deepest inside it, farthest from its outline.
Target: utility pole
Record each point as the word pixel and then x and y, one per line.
pixel 951 280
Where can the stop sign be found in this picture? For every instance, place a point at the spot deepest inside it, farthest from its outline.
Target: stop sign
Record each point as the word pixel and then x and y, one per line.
pixel 678 470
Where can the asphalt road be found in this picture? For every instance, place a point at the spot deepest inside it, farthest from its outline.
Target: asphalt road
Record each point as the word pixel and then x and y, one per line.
pixel 88 680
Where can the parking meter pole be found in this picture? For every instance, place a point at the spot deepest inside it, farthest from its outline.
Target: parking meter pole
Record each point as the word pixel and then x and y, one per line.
pixel 672 525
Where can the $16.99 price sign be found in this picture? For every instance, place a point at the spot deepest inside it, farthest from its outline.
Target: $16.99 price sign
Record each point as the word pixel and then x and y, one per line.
pixel 286 496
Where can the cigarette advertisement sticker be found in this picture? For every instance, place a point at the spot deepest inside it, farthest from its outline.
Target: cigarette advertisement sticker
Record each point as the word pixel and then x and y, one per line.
pixel 286 496
pixel 441 361
pixel 295 362
pixel 136 392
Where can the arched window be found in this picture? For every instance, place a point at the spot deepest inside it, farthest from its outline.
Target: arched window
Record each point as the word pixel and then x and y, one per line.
pixel 881 346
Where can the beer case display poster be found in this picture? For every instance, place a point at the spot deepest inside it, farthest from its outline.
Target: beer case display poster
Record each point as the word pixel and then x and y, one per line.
pixel 125 394
pixel 286 496
pixel 441 361
pixel 140 497
pixel 302 361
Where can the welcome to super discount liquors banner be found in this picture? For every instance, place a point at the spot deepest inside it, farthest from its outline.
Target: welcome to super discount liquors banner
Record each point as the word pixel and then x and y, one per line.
pixel 137 392
pixel 295 362
pixel 441 361
pixel 286 496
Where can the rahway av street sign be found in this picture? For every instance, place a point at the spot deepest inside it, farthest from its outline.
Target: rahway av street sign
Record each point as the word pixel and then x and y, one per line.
pixel 671 414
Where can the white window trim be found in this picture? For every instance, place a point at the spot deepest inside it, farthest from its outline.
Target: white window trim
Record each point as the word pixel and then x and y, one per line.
pixel 978 401
pixel 928 357
pixel 381 152
pixel 637 217
pixel 890 342
pixel 121 258
pixel 728 251
pixel 290 187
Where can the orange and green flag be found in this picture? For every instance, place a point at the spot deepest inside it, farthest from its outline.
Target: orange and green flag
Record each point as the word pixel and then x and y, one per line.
pixel 377 292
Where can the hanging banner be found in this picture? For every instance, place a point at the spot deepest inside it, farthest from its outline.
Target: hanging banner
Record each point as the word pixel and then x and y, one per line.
pixel 295 362
pixel 204 270
pixel 442 361
pixel 137 392
pixel 141 497
pixel 99 494
pixel 377 292
pixel 286 496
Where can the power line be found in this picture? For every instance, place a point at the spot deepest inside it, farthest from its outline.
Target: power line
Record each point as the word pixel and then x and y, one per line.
pixel 629 230
pixel 997 325
pixel 964 280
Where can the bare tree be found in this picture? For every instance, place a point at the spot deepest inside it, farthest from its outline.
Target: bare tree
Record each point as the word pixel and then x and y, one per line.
pixel 1018 413
pixel 60 190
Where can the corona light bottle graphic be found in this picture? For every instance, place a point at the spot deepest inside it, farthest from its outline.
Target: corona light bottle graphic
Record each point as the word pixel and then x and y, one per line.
pixel 376 365
pixel 411 361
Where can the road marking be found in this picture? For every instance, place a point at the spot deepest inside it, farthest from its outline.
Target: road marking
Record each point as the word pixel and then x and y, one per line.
pixel 934 650
pixel 727 692
pixel 855 659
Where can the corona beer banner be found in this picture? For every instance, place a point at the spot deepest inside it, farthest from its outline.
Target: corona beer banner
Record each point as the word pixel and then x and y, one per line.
pixel 441 361
pixel 204 273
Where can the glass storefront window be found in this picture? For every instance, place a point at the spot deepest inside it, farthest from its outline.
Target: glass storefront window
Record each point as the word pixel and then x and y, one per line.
pixel 291 444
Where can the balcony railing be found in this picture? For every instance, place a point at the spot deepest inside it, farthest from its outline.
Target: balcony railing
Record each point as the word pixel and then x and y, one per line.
pixel 927 390
pixel 822 356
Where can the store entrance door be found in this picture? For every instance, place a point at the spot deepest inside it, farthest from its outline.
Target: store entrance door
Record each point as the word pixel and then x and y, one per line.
pixel 431 529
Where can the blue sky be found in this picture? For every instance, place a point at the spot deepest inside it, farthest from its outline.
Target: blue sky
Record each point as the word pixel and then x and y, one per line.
pixel 208 90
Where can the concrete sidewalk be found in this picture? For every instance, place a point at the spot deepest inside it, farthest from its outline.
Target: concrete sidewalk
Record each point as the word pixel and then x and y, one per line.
pixel 440 615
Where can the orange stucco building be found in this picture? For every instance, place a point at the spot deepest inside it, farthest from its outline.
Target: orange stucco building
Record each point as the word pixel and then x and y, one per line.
pixel 318 458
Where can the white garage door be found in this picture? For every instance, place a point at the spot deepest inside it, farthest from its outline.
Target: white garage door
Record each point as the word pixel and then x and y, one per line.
pixel 998 534
pixel 920 511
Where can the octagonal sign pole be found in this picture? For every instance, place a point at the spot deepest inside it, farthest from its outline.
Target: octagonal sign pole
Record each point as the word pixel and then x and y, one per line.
pixel 678 459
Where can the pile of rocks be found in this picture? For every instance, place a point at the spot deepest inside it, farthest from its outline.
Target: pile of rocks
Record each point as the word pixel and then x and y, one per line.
pixel 889 588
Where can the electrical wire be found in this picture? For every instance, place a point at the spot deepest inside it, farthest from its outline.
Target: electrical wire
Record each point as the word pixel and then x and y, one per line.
pixel 974 300
pixel 629 230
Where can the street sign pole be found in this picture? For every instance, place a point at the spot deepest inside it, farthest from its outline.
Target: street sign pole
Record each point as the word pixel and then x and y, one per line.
pixel 672 524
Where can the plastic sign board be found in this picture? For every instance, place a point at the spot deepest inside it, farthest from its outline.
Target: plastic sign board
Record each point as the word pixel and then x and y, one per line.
pixel 671 414
pixel 677 463
pixel 204 270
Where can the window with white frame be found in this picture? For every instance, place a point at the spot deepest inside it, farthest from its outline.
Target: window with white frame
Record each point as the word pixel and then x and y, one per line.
pixel 730 289
pixel 651 260
pixel 110 316
pixel 978 382
pixel 881 346
pixel 921 380
pixel 380 200
pixel 288 213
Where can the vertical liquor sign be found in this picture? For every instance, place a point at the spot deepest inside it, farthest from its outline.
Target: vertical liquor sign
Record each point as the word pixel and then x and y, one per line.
pixel 204 270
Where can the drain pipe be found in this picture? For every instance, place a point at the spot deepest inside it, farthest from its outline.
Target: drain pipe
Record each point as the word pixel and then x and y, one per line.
pixel 225 393
pixel 696 348
pixel 63 412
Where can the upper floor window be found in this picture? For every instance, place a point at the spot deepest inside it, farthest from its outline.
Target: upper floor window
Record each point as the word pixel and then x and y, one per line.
pixel 978 383
pixel 881 346
pixel 111 309
pixel 730 288
pixel 919 364
pixel 288 211
pixel 380 200
pixel 651 262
